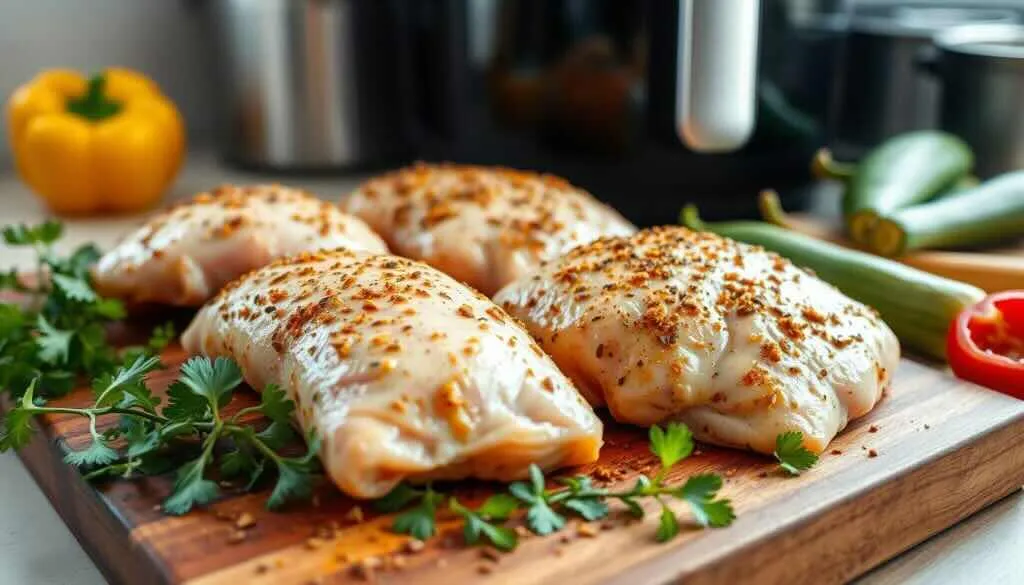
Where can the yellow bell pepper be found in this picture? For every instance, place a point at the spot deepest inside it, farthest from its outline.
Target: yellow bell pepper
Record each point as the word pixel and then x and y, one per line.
pixel 112 143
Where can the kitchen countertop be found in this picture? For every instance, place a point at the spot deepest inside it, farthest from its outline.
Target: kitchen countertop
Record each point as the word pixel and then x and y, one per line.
pixel 36 547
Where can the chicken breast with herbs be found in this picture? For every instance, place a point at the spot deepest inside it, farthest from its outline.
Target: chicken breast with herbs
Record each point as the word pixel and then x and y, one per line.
pixel 186 254
pixel 732 340
pixel 484 226
pixel 402 371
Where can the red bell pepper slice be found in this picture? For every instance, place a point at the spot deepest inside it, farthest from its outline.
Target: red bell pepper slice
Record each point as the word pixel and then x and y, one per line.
pixel 986 343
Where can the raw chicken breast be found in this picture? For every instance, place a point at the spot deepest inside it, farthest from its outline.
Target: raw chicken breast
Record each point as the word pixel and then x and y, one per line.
pixel 484 226
pixel 732 340
pixel 403 372
pixel 186 254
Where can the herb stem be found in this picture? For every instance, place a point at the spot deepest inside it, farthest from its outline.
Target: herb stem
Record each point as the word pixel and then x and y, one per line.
pixel 256 441
pixel 94 412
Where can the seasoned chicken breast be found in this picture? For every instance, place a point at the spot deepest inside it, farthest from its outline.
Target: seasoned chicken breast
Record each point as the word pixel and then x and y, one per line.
pixel 402 371
pixel 732 340
pixel 184 255
pixel 484 226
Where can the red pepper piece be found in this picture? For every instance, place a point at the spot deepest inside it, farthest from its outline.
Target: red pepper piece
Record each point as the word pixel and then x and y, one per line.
pixel 986 343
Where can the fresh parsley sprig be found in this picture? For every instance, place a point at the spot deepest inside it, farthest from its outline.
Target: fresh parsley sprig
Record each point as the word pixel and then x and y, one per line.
pixel 793 457
pixel 56 332
pixel 546 510
pixel 191 428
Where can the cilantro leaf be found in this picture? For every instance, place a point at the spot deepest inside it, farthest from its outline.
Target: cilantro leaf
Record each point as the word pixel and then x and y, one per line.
pixel 111 309
pixel 16 429
pixel 498 507
pixel 671 445
pixel 668 525
pixel 699 492
pixel 75 289
pixel 277 435
pixel 584 499
pixel 293 482
pixel 236 463
pixel 97 453
pixel 634 508
pixel 183 403
pixel 54 344
pixel 475 526
pixel 190 488
pixel 127 381
pixel 588 508
pixel 420 521
pixel 43 234
pixel 540 517
pixel 213 380
pixel 161 337
pixel 293 475
pixel 399 497
pixel 793 457
pixel 275 404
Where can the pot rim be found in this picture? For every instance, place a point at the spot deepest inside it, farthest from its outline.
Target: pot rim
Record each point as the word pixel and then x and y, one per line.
pixel 995 42
pixel 922 20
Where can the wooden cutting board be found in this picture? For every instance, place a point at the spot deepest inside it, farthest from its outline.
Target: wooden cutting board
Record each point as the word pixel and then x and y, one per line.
pixel 935 451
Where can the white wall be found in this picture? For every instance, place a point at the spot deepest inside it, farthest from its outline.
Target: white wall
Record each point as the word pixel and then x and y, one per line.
pixel 163 38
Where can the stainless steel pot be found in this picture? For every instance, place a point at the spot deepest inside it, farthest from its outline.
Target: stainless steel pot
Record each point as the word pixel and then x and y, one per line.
pixel 311 84
pixel 884 92
pixel 981 68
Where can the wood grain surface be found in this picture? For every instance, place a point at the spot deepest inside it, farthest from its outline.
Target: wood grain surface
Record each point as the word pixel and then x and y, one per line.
pixel 933 452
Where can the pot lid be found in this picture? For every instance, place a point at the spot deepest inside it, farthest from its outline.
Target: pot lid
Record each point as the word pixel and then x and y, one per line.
pixel 924 19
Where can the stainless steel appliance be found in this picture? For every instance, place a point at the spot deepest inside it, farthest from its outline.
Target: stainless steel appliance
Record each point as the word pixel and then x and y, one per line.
pixel 981 68
pixel 312 84
pixel 648 103
pixel 885 89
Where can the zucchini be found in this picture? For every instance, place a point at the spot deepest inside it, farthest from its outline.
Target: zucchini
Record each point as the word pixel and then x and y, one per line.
pixel 908 169
pixel 918 306
pixel 990 212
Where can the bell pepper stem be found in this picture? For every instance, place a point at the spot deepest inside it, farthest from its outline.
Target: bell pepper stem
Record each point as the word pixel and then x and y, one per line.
pixel 94 105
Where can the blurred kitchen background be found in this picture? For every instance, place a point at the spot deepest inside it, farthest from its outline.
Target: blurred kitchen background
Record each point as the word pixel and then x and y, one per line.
pixel 589 89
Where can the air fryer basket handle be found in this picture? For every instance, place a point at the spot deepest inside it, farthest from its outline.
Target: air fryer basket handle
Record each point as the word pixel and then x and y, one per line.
pixel 716 73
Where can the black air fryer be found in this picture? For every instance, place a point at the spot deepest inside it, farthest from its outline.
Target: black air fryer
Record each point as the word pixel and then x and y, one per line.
pixel 648 104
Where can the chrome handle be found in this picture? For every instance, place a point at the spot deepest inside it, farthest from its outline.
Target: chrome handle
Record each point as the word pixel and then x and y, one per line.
pixel 716 73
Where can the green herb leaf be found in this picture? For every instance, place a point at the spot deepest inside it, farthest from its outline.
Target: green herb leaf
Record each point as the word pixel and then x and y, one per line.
pixel 588 508
pixel 183 403
pixel 420 521
pixel 190 488
pixel 668 525
pixel 399 497
pixel 213 380
pixel 476 527
pixel 699 492
pixel 76 289
pixel 16 430
pixel 671 445
pixel 54 344
pixel 293 482
pixel 277 435
pixel 540 517
pixel 44 234
pixel 111 309
pixel 635 509
pixel 498 507
pixel 793 457
pixel 275 404
pixel 293 475
pixel 97 453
